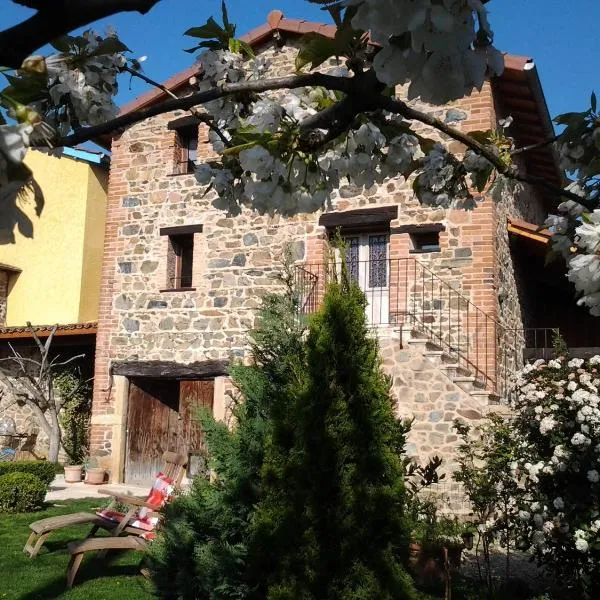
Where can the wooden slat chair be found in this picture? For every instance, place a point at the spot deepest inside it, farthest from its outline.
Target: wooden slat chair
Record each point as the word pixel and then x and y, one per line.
pixel 174 468
pixel 102 544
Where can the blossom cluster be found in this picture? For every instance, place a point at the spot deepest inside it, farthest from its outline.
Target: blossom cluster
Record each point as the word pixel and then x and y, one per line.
pixel 85 82
pixel 443 49
pixel 272 175
pixel 556 428
pixel 576 236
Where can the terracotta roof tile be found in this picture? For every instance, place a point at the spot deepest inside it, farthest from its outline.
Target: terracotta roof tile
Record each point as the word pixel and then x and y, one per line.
pixel 22 331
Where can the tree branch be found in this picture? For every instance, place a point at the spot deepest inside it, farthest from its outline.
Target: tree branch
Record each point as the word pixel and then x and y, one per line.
pixel 510 171
pixel 535 146
pixel 57 18
pixel 342 84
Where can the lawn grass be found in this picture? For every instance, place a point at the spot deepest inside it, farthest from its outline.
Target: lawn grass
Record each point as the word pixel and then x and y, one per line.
pixel 43 578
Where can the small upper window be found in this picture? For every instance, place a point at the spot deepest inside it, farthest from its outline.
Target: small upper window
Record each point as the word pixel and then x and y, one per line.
pixel 180 260
pixel 425 241
pixel 187 143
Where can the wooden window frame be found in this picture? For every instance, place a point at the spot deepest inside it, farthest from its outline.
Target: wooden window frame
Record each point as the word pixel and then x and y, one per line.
pixel 186 130
pixel 179 238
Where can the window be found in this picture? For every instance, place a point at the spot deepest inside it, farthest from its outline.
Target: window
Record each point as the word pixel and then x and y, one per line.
pixel 180 256
pixel 187 143
pixel 180 260
pixel 425 241
pixel 367 260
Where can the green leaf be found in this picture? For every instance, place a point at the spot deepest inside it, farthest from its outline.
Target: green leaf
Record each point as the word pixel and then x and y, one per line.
pixel 566 118
pixel 593 102
pixel 235 150
pixel 247 49
pixel 62 43
pixel 211 44
pixel 316 49
pixel 210 30
pixel 228 27
pixel 483 137
pixel 110 45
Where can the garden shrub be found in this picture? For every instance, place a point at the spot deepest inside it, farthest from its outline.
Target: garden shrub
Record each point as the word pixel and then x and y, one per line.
pixel 76 413
pixel 42 469
pixel 534 476
pixel 306 495
pixel 21 492
pixel 202 549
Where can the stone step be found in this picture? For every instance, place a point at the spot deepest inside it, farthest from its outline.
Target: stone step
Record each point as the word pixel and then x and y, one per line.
pixel 419 344
pixel 453 370
pixel 465 383
pixel 435 356
pixel 484 396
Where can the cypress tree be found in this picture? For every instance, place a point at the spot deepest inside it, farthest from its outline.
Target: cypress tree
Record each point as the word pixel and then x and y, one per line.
pixel 330 523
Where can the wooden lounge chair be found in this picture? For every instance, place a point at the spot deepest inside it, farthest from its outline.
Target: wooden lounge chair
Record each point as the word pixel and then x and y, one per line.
pixel 102 544
pixel 174 468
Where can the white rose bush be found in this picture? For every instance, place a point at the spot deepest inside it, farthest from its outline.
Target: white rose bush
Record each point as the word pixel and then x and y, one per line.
pixel 546 457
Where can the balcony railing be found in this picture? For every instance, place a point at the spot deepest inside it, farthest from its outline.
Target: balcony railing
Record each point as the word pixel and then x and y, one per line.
pixel 406 294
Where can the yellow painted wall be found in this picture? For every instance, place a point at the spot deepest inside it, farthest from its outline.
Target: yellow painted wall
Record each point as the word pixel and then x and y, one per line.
pixel 89 295
pixel 60 265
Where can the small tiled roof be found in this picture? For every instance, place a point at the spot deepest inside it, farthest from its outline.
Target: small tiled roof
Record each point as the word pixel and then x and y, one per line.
pixel 22 331
pixel 531 231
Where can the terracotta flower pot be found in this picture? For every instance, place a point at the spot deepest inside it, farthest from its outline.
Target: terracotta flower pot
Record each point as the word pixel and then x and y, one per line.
pixel 429 566
pixel 94 475
pixel 73 473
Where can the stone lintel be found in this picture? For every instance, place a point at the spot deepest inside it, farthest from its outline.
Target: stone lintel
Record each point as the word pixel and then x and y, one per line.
pixel 170 369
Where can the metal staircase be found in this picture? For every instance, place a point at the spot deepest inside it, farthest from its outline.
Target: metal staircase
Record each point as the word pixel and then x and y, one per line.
pixel 434 316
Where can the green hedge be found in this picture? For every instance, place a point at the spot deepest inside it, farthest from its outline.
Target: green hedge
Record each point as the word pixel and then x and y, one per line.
pixel 43 470
pixel 21 492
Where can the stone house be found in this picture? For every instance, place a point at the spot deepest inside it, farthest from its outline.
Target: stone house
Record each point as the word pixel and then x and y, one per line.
pixel 51 274
pixel 454 295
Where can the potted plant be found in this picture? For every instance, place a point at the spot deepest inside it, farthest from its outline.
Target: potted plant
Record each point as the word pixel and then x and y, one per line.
pixel 437 544
pixel 94 475
pixel 73 473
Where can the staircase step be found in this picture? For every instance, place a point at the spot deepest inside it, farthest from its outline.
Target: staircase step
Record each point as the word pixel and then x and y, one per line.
pixel 484 396
pixel 419 344
pixel 453 370
pixel 464 383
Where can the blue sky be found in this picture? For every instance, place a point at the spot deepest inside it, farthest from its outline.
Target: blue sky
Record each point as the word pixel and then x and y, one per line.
pixel 561 37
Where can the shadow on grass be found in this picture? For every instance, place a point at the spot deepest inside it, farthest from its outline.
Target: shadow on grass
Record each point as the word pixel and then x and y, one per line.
pixel 93 567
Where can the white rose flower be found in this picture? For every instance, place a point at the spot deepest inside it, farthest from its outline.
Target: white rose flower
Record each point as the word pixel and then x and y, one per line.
pixel 547 424
pixel 579 439
pixel 548 527
pixel 575 363
pixel 558 503
pixel 581 545
pixel 593 476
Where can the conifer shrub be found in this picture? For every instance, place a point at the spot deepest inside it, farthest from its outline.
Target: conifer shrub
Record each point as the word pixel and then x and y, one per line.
pixel 306 495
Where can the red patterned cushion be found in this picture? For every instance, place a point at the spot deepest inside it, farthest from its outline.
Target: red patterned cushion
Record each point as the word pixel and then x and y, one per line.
pixel 160 494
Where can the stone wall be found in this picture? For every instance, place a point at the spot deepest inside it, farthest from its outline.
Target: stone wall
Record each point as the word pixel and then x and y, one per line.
pixel 525 203
pixel 237 258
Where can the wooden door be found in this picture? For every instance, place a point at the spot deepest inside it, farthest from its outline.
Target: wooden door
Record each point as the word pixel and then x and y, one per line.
pixel 152 427
pixel 192 395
